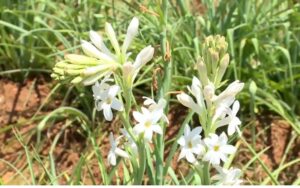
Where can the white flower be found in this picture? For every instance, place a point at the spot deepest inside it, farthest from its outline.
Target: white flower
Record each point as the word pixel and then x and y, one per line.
pixel 99 88
pixel 218 149
pixel 147 123
pixel 108 101
pixel 191 144
pixel 131 142
pixel 230 92
pixel 196 90
pixel 231 120
pixel 159 106
pixel 132 31
pixel 115 151
pixel 228 177
pixel 130 70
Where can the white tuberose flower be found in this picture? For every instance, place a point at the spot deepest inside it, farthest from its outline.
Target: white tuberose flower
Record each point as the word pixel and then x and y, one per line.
pixel 99 88
pixel 159 106
pixel 232 121
pixel 108 101
pixel 190 144
pixel 188 101
pixel 147 123
pixel 115 151
pixel 228 177
pixel 130 70
pixel 218 149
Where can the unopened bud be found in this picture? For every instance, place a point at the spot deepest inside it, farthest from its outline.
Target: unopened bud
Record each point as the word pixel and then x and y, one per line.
pixel 202 72
pixel 81 59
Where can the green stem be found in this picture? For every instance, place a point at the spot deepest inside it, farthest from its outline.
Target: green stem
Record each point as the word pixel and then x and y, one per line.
pixel 164 88
pixel 206 175
pixel 142 163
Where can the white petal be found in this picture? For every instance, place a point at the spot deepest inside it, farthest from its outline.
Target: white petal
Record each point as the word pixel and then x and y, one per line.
pixel 99 105
pixel 223 138
pixel 148 101
pixel 121 153
pixel 157 129
pixel 190 157
pixel 182 154
pixel 98 42
pixel 111 140
pixel 187 101
pixel 155 116
pixel 224 121
pixel 112 37
pixel 112 158
pixel 117 105
pixel 196 131
pixel 215 159
pixel 231 129
pixel 107 112
pixel 223 157
pixel 139 117
pixel 148 135
pixel 138 129
pixel 235 108
pixel 143 57
pixel 187 130
pixel 228 149
pixel 131 33
pixel 113 90
pixel 181 141
pixel 92 51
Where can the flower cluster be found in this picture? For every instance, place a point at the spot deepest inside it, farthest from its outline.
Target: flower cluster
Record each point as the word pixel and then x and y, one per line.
pixel 200 146
pixel 214 111
pixel 99 61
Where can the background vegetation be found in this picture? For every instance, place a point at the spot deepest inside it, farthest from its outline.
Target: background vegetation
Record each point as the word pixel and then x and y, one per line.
pixel 263 37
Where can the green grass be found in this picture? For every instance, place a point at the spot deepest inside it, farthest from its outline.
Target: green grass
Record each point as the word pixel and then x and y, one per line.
pixel 264 46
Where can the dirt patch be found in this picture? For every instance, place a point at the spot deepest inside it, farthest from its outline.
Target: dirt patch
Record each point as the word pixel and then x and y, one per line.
pixel 273 133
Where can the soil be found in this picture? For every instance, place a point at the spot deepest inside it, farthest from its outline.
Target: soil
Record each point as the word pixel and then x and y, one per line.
pixel 20 102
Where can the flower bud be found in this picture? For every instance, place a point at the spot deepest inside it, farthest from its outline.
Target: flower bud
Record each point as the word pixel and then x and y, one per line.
pixel 202 72
pixel 77 80
pixel 112 37
pixel 132 31
pixel 93 70
pixel 81 59
pixel 143 57
pixel 222 68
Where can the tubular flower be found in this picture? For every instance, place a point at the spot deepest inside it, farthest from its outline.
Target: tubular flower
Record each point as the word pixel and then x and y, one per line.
pixel 115 151
pixel 228 176
pixel 107 101
pixel 218 149
pixel 231 120
pixel 191 144
pixel 147 123
pixel 159 106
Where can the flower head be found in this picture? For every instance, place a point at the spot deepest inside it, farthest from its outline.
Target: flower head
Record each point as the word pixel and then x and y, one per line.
pixel 115 151
pixel 231 120
pixel 159 106
pixel 107 100
pixel 228 176
pixel 196 90
pixel 191 144
pixel 98 60
pixel 218 149
pixel 147 123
